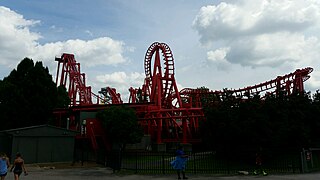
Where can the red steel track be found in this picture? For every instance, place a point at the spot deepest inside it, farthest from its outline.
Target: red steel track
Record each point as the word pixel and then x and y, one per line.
pixel 288 84
pixel 165 113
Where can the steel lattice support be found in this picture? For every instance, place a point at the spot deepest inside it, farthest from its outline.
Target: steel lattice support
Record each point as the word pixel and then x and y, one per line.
pixel 167 118
pixel 75 82
pixel 69 75
pixel 72 78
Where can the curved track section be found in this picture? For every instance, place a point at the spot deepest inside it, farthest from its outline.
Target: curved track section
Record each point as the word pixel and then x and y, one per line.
pixel 115 97
pixel 168 58
pixel 289 83
pixel 153 54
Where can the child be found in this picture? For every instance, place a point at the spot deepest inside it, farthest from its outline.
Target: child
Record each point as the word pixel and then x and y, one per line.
pixel 179 163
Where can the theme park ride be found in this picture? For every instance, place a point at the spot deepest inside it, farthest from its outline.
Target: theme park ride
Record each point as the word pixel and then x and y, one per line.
pixel 165 113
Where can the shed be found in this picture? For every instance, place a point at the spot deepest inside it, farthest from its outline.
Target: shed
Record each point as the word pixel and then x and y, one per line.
pixel 39 144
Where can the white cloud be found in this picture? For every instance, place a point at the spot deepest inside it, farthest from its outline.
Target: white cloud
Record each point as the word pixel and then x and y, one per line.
pixel 218 58
pixel 250 17
pixel 114 78
pixel 18 41
pixel 257 34
pixel 100 51
pixel 121 81
pixel 274 50
pixel 121 78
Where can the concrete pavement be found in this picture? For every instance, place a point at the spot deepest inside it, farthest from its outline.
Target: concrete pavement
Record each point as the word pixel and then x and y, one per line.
pixel 102 173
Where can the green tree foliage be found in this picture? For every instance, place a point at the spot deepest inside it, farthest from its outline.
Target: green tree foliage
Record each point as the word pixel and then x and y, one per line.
pixel 121 125
pixel 276 122
pixel 63 99
pixel 28 96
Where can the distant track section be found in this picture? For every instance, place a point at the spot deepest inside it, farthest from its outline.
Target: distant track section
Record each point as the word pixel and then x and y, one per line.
pixel 289 83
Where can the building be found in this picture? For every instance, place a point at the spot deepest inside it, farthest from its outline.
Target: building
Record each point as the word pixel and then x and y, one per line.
pixel 39 144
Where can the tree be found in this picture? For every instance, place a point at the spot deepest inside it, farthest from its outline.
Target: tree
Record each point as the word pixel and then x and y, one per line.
pixel 121 125
pixel 63 99
pixel 29 95
pixel 279 121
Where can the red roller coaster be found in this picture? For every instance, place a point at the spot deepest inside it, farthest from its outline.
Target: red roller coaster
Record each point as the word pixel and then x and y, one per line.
pixel 167 119
pixel 287 84
pixel 79 93
pixel 168 115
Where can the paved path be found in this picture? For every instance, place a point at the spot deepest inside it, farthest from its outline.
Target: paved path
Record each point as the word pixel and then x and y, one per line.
pixel 101 173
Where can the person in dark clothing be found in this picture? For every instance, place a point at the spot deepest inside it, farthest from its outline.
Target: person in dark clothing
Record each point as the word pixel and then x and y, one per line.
pixel 259 168
pixel 18 167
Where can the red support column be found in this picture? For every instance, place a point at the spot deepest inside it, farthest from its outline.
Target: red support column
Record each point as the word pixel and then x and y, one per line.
pixel 184 131
pixel 159 130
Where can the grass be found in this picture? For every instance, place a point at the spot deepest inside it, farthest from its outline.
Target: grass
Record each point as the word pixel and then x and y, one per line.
pixel 208 163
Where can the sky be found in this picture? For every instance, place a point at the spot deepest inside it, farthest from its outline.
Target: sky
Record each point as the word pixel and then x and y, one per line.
pixel 217 44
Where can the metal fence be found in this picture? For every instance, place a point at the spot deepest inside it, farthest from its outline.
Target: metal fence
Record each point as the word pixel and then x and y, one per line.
pixel 310 159
pixel 203 162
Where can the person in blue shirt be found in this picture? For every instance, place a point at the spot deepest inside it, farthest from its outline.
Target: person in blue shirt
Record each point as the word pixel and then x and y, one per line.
pixel 179 163
pixel 4 165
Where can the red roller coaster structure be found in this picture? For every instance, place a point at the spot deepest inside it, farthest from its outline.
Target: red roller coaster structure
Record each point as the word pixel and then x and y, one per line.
pixel 79 93
pixel 287 84
pixel 167 119
pixel 165 113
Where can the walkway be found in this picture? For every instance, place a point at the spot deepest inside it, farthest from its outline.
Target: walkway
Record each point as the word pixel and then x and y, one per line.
pixel 102 173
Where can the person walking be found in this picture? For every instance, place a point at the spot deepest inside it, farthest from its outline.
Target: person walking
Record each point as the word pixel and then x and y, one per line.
pixel 4 165
pixel 18 167
pixel 259 168
pixel 179 164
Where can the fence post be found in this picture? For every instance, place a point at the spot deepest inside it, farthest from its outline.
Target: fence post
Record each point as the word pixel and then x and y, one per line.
pixel 163 165
pixel 303 161
pixel 136 155
pixel 292 165
pixel 194 163
pixel 228 163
